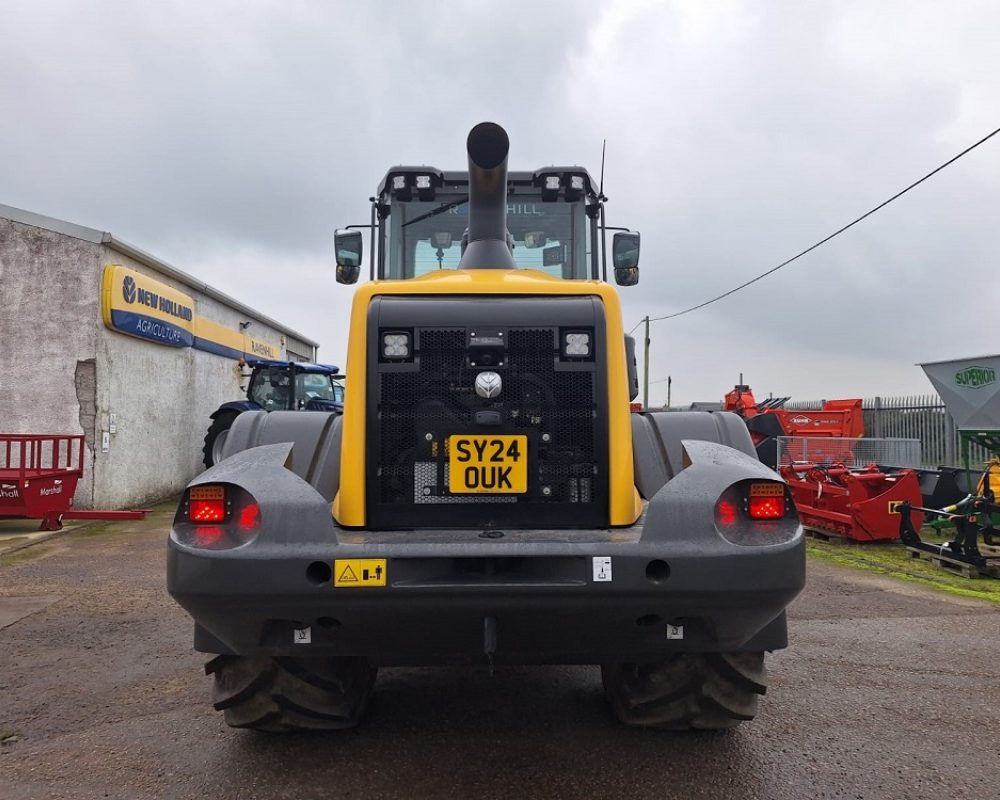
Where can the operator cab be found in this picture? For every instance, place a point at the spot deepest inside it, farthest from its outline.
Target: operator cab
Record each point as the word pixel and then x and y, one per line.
pixel 554 221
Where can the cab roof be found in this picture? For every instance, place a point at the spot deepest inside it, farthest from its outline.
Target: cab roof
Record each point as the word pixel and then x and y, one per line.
pixel 299 366
pixel 459 179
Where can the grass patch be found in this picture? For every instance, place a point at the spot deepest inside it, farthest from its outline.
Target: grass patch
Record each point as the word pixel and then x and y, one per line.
pixel 892 560
pixel 25 555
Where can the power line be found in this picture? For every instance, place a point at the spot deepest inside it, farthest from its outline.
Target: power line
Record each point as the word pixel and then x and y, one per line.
pixel 821 242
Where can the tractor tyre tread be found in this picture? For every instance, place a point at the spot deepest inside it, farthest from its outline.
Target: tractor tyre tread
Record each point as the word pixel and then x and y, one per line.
pixel 285 694
pixel 222 422
pixel 689 691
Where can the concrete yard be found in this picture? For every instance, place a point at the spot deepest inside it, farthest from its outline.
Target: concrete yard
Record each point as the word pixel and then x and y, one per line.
pixel 887 691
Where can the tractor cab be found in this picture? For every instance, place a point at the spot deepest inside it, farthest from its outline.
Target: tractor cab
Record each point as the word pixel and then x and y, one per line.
pixel 294 386
pixel 554 218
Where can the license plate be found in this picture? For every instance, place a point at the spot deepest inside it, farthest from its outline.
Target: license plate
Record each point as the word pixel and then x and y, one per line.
pixel 488 464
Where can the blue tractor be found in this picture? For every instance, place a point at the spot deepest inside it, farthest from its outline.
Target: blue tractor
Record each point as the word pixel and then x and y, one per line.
pixel 277 386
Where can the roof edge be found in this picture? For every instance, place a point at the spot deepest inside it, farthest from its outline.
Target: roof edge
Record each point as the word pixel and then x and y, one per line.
pixel 93 236
pixel 24 217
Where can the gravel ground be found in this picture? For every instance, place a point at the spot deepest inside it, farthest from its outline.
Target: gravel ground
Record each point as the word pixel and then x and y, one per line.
pixel 887 691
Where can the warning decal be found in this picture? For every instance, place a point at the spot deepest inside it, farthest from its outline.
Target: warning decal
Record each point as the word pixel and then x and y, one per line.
pixel 357 572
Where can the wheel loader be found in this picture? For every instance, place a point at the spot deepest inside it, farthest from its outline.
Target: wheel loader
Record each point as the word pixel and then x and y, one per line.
pixel 487 497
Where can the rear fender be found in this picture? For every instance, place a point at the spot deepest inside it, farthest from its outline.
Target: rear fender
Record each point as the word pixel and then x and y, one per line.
pixel 292 511
pixel 237 406
pixel 683 510
pixel 314 438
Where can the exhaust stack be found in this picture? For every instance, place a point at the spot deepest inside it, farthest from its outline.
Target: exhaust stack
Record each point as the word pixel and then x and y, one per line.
pixel 487 248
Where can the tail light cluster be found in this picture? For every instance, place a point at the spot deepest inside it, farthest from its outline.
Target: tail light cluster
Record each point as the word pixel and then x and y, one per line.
pixel 756 513
pixel 216 516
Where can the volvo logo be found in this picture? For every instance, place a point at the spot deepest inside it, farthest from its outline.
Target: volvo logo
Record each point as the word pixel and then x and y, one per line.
pixel 488 385
pixel 128 289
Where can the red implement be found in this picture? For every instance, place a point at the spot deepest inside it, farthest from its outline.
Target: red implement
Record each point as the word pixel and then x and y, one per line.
pixel 857 504
pixel 38 476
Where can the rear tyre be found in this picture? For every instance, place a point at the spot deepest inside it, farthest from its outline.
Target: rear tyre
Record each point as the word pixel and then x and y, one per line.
pixel 216 437
pixel 286 694
pixel 689 691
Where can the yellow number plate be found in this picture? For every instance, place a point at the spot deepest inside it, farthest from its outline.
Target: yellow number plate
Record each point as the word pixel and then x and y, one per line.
pixel 488 464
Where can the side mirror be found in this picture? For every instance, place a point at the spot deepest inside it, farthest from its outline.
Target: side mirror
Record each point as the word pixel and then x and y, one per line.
pixel 348 247
pixel 625 258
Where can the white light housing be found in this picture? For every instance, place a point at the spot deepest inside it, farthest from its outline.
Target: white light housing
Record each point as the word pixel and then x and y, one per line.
pixel 552 182
pixel 577 344
pixel 576 182
pixel 399 182
pixel 396 345
pixel 423 181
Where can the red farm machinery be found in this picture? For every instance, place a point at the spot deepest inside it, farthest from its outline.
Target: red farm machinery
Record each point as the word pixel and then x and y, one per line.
pixel 838 420
pixel 38 476
pixel 839 486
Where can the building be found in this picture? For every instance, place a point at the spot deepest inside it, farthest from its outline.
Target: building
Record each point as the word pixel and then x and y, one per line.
pixel 100 338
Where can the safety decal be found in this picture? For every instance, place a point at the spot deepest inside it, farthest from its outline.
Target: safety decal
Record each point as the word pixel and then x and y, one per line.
pixel 302 636
pixel 602 568
pixel 675 631
pixel 359 572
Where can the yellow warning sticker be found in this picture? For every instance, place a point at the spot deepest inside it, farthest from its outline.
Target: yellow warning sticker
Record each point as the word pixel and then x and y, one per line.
pixel 350 572
pixel 894 506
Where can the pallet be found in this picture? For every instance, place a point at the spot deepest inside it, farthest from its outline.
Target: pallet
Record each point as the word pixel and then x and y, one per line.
pixel 990 550
pixel 829 537
pixel 826 536
pixel 955 565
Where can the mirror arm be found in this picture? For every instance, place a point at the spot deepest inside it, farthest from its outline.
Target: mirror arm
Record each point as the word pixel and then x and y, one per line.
pixel 604 243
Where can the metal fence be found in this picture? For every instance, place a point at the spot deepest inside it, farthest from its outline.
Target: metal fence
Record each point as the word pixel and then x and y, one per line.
pixel 849 452
pixel 921 417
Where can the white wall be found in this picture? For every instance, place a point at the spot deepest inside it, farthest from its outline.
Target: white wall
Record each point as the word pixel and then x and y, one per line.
pixel 49 316
pixel 62 371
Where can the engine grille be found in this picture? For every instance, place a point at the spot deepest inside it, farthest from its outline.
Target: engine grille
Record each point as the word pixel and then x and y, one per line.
pixel 558 404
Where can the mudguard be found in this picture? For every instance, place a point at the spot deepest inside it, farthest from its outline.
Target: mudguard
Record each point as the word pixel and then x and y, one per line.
pixel 239 406
pixel 314 439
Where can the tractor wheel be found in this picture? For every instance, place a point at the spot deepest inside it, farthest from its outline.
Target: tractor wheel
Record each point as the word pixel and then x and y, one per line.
pixel 285 694
pixel 216 437
pixel 701 691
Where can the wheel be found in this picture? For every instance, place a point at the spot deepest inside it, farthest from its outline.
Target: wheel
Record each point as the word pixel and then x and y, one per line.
pixel 285 694
pixel 702 691
pixel 216 437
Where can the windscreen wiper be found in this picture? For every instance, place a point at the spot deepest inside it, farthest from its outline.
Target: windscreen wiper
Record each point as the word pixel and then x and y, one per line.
pixel 439 210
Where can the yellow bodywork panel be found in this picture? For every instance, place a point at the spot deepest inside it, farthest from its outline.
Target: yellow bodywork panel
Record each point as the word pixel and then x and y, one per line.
pixel 624 502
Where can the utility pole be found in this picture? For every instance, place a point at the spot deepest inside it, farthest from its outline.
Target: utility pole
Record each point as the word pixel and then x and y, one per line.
pixel 645 365
pixel 669 381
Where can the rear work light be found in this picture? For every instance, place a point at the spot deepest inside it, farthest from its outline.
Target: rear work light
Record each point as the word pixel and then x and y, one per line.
pixel 207 504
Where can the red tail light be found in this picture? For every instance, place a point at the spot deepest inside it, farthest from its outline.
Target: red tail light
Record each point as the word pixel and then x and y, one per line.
pixel 249 517
pixel 207 504
pixel 766 507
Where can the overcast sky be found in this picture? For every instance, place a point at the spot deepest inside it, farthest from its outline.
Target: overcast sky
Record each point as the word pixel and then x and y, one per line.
pixel 231 138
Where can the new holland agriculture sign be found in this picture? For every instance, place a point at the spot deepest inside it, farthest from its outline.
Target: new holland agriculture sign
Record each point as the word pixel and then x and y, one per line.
pixel 137 305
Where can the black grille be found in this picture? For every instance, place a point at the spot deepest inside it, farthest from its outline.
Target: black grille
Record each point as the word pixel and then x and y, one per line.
pixel 557 404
